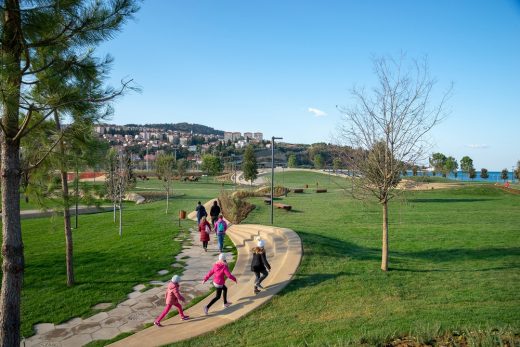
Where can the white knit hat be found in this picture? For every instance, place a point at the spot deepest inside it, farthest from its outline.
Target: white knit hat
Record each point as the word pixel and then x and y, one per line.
pixel 176 278
pixel 261 243
pixel 222 257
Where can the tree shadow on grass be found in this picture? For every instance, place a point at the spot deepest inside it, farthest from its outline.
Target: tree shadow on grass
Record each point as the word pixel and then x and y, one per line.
pixel 439 200
pixel 458 254
pixel 331 247
pixel 310 280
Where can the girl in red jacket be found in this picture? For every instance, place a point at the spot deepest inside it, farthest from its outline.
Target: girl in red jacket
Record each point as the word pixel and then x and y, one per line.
pixel 219 272
pixel 204 230
pixel 173 296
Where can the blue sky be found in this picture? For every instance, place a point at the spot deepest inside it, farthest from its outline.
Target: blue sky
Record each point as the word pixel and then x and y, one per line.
pixel 281 67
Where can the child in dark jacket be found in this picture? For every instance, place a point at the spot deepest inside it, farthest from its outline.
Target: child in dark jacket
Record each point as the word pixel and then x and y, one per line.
pixel 259 265
pixel 173 296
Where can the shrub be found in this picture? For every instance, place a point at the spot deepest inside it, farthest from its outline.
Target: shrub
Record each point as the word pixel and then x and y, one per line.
pixel 234 208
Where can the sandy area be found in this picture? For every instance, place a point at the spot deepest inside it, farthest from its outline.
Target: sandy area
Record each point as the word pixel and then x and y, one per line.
pixel 412 185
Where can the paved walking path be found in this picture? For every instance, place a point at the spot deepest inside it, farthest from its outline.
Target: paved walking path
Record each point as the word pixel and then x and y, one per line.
pixel 284 253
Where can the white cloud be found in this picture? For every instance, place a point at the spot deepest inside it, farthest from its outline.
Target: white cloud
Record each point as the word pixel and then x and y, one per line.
pixel 316 112
pixel 477 146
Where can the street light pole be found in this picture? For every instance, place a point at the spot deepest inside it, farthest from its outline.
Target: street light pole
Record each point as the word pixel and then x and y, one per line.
pixel 272 175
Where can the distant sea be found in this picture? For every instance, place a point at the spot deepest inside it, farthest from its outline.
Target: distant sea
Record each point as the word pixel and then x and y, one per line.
pixel 494 176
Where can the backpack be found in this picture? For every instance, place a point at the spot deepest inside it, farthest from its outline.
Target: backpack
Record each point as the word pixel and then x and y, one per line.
pixel 220 227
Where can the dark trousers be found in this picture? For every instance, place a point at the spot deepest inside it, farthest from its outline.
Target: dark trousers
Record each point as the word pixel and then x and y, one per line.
pixel 219 292
pixel 260 278
pixel 204 244
pixel 213 220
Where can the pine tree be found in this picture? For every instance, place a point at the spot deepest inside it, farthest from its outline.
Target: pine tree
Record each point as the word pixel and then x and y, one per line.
pixel 249 166
pixel 40 40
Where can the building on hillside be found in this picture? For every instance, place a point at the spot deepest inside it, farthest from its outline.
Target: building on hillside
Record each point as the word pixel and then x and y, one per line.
pixel 258 136
pixel 240 144
pixel 248 136
pixel 232 136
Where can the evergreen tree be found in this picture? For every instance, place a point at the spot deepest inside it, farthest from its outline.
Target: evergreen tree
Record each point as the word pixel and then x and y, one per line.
pixel 484 173
pixel 292 161
pixel 39 40
pixel 249 165
pixel 504 174
pixel 318 161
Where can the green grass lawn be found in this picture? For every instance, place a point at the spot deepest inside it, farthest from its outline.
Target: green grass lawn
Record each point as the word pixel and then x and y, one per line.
pixel 454 266
pixel 106 266
pixel 298 179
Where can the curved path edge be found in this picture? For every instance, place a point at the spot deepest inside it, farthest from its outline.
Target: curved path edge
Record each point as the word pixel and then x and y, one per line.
pixel 284 252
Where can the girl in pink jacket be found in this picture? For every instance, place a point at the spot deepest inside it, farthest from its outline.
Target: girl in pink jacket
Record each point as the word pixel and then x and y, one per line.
pixel 173 296
pixel 219 271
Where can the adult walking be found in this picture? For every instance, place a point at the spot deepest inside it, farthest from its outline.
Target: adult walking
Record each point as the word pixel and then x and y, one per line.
pixel 204 230
pixel 259 265
pixel 219 271
pixel 214 212
pixel 220 229
pixel 201 212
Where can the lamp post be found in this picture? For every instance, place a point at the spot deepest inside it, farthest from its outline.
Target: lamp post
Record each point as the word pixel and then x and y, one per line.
pixel 272 175
pixel 234 171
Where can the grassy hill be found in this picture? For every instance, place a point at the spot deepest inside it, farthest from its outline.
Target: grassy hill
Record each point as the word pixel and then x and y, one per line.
pixel 454 267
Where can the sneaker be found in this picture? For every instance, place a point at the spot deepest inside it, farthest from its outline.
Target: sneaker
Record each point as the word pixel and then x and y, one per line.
pixel 259 286
pixel 185 317
pixel 157 324
pixel 256 290
pixel 206 310
pixel 227 304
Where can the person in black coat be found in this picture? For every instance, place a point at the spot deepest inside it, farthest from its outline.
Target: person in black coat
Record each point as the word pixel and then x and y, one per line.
pixel 201 212
pixel 214 212
pixel 259 265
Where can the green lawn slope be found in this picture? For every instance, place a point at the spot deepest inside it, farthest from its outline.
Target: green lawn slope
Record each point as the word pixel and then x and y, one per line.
pixel 454 267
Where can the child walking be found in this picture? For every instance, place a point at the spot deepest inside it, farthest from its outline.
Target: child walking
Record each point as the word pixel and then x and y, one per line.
pixel 204 230
pixel 219 271
pixel 173 296
pixel 220 229
pixel 259 265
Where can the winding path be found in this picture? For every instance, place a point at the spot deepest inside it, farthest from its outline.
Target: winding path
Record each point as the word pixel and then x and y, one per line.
pixel 284 252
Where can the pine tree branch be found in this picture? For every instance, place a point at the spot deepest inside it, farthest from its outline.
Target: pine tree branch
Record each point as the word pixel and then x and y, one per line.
pixel 25 123
pixel 32 167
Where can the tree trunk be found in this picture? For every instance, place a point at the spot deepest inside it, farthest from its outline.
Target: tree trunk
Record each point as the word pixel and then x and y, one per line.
pixel 384 253
pixel 12 245
pixel 115 211
pixel 68 231
pixel 120 216
pixel 167 199
pixel 66 208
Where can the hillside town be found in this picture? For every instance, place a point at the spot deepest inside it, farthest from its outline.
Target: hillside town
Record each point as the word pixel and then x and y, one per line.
pixel 145 142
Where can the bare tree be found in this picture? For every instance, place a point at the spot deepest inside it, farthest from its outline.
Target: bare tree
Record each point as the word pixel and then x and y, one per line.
pixel 388 126
pixel 165 164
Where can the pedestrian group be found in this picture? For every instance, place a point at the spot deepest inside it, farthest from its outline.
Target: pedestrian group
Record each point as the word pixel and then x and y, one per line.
pixel 220 270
